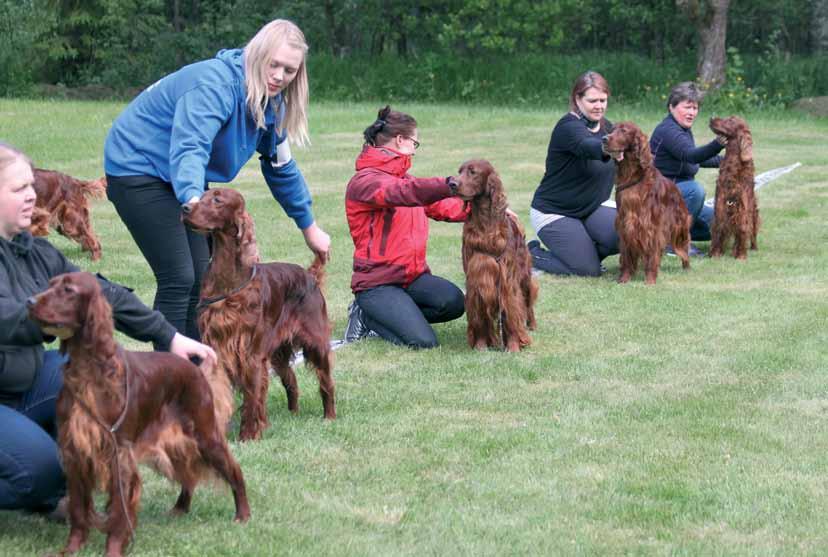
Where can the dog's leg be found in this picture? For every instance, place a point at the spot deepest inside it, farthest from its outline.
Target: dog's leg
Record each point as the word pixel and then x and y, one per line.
pixel 476 319
pixel 213 448
pixel 628 264
pixel 254 383
pixel 124 496
pixel 514 320
pixel 280 360
pixel 182 505
pixel 754 224
pixel 681 241
pixel 651 264
pixel 89 242
pixel 321 357
pixel 80 484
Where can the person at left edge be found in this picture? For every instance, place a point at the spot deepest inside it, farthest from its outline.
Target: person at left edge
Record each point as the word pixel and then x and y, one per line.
pixel 201 124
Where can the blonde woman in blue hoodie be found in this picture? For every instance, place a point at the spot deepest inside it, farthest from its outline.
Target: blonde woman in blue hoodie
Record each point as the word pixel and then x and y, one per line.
pixel 202 124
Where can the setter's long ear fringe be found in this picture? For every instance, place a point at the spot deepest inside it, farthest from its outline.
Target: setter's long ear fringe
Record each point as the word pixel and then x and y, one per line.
pixel 98 326
pixel 745 146
pixel 643 149
pixel 494 187
pixel 247 238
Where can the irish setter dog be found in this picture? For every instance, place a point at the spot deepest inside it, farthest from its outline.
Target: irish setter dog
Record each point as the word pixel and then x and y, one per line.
pixel 254 315
pixel 118 408
pixel 65 200
pixel 651 211
pixel 737 214
pixel 500 289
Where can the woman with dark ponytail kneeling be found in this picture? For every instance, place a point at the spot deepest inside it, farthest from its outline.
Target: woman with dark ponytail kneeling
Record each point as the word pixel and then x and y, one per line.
pixel 396 296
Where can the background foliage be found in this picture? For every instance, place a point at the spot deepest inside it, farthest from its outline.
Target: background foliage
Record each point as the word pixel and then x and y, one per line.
pixel 501 51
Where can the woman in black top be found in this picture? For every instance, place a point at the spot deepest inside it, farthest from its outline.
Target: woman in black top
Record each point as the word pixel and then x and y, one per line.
pixel 31 376
pixel 569 213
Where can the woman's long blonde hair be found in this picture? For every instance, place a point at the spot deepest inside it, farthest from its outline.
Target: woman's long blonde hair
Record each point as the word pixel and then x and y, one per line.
pixel 257 55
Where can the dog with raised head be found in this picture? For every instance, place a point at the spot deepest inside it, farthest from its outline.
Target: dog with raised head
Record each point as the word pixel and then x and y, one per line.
pixel 118 408
pixel 500 288
pixel 736 210
pixel 255 315
pixel 651 210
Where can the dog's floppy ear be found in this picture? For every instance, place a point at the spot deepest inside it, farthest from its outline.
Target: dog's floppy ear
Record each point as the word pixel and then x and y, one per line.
pixel 97 323
pixel 745 145
pixel 246 237
pixel 494 187
pixel 642 149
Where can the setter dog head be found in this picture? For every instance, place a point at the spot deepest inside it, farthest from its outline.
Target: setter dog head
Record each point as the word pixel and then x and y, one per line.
pixel 477 179
pixel 735 129
pixel 221 212
pixel 74 307
pixel 627 139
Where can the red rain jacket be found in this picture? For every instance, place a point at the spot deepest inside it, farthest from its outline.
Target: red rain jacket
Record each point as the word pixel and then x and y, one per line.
pixel 388 212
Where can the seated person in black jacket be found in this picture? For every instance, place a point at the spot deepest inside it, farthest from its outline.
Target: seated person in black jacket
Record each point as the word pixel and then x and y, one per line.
pixel 30 376
pixel 569 211
pixel 677 157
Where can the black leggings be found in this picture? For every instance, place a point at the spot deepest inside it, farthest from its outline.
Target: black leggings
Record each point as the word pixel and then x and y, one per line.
pixel 177 255
pixel 575 246
pixel 402 315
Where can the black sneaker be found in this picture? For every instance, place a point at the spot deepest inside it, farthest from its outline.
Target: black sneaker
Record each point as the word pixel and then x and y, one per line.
pixel 356 327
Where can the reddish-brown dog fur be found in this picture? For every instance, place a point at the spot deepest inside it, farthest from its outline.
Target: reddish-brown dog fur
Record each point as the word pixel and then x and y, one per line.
pixel 651 211
pixel 65 198
pixel 500 289
pixel 175 415
pixel 280 310
pixel 737 213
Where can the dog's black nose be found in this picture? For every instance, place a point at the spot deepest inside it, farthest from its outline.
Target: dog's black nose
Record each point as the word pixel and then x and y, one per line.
pixel 30 301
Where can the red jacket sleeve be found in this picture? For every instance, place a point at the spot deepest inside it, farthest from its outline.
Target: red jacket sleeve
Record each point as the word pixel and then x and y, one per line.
pixel 452 209
pixel 379 189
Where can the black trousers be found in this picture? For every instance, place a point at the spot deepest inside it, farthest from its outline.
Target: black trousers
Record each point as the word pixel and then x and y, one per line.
pixel 402 315
pixel 177 256
pixel 577 247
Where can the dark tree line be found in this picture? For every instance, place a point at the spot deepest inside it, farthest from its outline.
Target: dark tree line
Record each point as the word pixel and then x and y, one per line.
pixel 131 42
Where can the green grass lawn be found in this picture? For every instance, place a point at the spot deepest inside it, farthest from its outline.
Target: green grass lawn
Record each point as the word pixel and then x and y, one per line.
pixel 688 418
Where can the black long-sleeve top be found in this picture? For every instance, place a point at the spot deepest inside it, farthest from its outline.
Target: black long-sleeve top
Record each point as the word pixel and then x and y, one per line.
pixel 578 175
pixel 26 266
pixel 675 153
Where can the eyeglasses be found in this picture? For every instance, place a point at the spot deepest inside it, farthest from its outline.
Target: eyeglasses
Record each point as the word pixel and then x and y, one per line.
pixel 416 143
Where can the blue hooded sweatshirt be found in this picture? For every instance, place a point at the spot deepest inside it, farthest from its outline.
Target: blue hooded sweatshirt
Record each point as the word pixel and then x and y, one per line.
pixel 193 127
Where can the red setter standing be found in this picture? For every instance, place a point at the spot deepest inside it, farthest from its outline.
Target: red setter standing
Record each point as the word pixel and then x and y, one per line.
pixel 651 211
pixel 254 315
pixel 118 408
pixel 65 199
pixel 500 289
pixel 737 213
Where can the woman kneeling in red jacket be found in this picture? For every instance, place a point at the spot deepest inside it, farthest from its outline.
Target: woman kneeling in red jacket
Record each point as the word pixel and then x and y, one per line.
pixel 396 296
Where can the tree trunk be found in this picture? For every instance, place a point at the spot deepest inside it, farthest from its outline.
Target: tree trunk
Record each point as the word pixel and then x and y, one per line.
pixel 819 26
pixel 710 19
pixel 335 31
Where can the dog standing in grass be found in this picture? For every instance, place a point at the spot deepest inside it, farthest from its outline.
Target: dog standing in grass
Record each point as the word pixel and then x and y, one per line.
pixel 737 214
pixel 500 288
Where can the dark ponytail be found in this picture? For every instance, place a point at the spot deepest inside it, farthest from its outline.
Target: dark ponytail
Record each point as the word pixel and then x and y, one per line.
pixel 388 125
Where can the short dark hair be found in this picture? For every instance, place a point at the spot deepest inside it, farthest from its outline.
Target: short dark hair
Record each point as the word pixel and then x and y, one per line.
pixel 388 125
pixel 684 91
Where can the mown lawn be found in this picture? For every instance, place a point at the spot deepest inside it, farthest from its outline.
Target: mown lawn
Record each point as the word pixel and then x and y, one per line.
pixel 689 418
